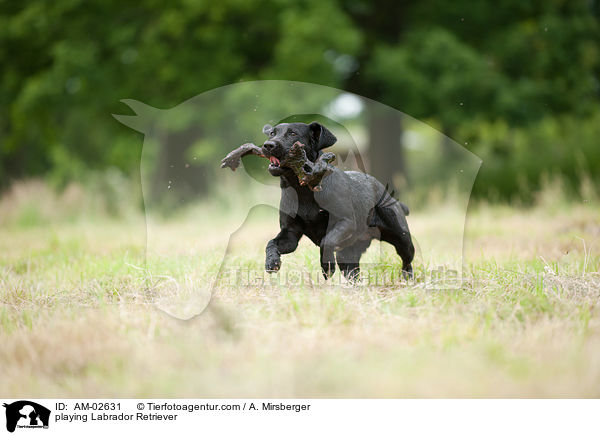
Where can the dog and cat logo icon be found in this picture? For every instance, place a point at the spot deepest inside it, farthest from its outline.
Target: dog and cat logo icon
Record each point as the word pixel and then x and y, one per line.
pixel 25 414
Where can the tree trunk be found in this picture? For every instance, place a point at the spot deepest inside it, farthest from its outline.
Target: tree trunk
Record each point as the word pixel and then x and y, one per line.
pixel 386 154
pixel 175 175
pixel 381 21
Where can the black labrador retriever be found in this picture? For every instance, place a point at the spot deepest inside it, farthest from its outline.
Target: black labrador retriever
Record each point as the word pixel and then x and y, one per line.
pixel 342 218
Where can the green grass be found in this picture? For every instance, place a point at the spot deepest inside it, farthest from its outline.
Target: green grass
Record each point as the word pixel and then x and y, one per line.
pixel 78 315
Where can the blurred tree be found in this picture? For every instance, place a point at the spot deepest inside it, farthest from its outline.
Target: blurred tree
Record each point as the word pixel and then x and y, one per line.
pixel 66 64
pixel 468 68
pixel 462 64
pixel 382 22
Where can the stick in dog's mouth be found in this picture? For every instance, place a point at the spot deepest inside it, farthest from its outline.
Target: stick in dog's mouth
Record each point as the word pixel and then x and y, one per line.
pixel 234 158
pixel 309 174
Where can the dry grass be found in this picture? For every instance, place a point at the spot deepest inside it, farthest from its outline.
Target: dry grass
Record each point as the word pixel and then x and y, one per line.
pixel 77 315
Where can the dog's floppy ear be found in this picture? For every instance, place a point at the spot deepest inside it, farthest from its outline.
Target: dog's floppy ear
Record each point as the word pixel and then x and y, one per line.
pixel 267 129
pixel 322 138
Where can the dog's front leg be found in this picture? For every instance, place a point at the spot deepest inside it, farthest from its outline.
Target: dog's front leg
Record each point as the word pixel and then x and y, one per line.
pixel 285 242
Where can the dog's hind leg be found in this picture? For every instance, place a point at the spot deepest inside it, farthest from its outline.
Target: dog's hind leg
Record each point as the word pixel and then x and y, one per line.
pixel 327 262
pixel 404 248
pixel 394 230
pixel 336 239
pixel 348 259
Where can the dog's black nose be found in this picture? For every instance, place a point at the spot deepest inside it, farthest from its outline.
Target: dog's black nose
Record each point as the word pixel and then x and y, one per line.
pixel 268 146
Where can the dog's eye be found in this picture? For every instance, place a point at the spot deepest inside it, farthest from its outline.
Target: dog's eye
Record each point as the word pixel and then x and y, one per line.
pixel 292 133
pixel 272 133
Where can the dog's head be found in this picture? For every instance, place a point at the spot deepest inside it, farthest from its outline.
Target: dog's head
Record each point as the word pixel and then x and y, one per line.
pixel 280 139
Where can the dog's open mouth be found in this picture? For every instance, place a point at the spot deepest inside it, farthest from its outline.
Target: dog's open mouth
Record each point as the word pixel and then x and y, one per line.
pixel 275 163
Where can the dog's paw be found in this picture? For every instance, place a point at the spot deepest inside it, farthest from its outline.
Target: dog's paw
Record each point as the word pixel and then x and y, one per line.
pixel 351 273
pixel 328 269
pixel 273 264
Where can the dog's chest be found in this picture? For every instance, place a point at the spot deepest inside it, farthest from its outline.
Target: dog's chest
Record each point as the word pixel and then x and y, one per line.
pixel 301 204
pixel 310 212
pixel 315 221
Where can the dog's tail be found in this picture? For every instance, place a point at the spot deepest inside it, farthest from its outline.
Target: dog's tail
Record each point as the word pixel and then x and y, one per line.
pixel 382 213
pixel 387 199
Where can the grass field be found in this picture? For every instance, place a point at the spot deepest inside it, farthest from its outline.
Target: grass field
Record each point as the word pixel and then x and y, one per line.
pixel 77 315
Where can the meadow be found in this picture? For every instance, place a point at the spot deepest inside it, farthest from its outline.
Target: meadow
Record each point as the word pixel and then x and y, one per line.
pixel 78 314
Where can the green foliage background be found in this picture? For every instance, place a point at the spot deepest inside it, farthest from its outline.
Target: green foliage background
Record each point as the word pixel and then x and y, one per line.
pixel 517 82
